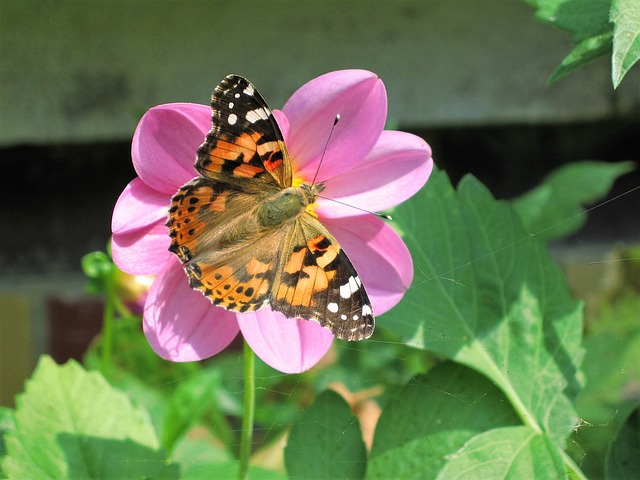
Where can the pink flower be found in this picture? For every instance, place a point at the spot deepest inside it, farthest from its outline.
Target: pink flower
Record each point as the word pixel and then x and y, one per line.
pixel 364 166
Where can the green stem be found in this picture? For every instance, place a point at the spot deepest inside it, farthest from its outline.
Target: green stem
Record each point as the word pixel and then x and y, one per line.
pixel 107 332
pixel 246 436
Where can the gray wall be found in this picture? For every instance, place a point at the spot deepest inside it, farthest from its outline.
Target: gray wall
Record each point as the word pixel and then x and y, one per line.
pixel 77 71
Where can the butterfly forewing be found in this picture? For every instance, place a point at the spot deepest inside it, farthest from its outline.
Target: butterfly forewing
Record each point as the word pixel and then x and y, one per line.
pixel 245 142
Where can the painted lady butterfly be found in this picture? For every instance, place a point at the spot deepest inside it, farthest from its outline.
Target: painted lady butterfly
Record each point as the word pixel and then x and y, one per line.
pixel 248 238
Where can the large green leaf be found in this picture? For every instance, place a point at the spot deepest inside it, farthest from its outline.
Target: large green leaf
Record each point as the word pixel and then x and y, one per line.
pixel 433 416
pixel 623 460
pixel 328 444
pixel 487 295
pixel 73 424
pixel 625 14
pixel 555 208
pixel 506 453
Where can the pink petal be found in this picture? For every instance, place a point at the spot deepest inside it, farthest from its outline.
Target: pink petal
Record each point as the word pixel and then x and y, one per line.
pixel 282 121
pixel 379 255
pixel 165 144
pixel 287 344
pixel 140 238
pixel 397 167
pixel 359 97
pixel 181 325
pixel 138 207
pixel 143 251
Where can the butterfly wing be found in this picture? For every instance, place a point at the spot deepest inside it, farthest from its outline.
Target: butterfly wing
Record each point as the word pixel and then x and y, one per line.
pixel 245 142
pixel 228 256
pixel 298 268
pixel 316 280
pixel 242 161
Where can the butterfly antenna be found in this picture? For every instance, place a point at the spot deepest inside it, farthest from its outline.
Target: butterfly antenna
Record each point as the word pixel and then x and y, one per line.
pixel 377 214
pixel 333 127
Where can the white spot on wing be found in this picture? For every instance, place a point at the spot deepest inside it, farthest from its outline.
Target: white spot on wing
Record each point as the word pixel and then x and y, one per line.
pixel 231 104
pixel 343 317
pixel 366 310
pixel 233 118
pixel 349 288
pixel 258 114
pixel 332 307
pixel 248 91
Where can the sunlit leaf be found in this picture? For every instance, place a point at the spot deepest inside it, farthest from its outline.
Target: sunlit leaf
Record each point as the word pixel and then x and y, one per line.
pixel 487 295
pixel 625 14
pixel 73 424
pixel 433 416
pixel 509 452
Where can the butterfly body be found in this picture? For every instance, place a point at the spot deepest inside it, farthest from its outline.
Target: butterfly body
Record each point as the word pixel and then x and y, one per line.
pixel 286 205
pixel 248 238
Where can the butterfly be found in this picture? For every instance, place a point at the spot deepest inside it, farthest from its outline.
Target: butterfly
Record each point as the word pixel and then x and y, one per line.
pixel 248 238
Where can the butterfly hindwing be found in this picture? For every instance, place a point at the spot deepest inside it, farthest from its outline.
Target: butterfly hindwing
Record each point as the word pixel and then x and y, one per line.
pixel 240 281
pixel 245 142
pixel 316 280
pixel 226 255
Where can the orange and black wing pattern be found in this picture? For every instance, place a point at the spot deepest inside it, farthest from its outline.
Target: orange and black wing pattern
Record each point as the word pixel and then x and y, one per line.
pixel 245 141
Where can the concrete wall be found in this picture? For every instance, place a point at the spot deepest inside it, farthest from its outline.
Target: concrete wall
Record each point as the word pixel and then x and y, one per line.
pixel 76 71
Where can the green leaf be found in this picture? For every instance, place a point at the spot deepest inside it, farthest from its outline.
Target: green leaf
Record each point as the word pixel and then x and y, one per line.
pixel 193 397
pixel 506 453
pixel 623 459
pixel 204 459
pixel 555 208
pixel 588 23
pixel 328 444
pixel 433 416
pixel 625 14
pixel 487 295
pixel 587 50
pixel 99 268
pixel 7 424
pixel 582 18
pixel 72 424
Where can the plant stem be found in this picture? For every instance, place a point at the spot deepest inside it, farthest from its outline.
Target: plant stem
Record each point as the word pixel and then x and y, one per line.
pixel 107 332
pixel 246 435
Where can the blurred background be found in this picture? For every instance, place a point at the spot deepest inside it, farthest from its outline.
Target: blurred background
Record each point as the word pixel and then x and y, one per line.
pixel 469 76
